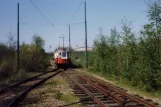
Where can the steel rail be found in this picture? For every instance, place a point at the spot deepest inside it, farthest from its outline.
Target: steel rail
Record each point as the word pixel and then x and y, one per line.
pixel 87 92
pixel 102 83
pixel 3 90
pixel 117 99
pixel 15 102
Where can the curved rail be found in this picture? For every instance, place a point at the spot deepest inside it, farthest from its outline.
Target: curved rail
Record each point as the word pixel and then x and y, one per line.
pixel 24 81
pixel 19 98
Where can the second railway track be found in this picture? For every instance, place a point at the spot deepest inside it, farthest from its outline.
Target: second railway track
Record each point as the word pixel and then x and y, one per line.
pixel 11 96
pixel 3 90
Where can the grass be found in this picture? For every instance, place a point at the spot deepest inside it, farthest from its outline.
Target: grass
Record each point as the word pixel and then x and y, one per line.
pixel 50 83
pixel 64 93
pixel 137 90
pixel 68 98
pixel 60 90
pixel 58 94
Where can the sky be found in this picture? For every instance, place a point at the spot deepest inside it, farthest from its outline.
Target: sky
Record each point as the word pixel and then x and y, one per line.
pixel 100 13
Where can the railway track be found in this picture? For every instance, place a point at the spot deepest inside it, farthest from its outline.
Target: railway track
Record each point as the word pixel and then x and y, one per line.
pixel 3 90
pixel 94 92
pixel 12 95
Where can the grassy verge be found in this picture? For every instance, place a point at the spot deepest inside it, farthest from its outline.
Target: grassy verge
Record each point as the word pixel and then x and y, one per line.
pixel 63 92
pixel 155 96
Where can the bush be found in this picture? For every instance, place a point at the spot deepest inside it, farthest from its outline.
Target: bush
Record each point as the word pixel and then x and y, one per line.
pixel 32 57
pixel 6 69
pixel 7 60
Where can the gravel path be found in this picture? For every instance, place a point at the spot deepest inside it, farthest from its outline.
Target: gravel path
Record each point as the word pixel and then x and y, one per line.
pixel 53 93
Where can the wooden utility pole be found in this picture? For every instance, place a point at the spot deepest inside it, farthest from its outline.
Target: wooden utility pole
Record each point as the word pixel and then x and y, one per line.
pixel 86 52
pixel 18 37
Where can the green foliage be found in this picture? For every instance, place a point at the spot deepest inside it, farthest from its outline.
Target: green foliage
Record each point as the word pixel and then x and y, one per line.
pixel 32 57
pixel 58 95
pixel 6 69
pixel 6 52
pixel 78 58
pixel 7 58
pixel 126 57
pixel 38 41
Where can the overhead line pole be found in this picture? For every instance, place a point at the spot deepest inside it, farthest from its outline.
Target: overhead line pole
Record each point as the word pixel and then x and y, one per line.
pixel 86 52
pixel 18 37
pixel 69 44
pixel 63 41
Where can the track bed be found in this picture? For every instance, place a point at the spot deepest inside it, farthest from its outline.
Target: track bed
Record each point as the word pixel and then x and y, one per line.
pixel 12 95
pixel 94 92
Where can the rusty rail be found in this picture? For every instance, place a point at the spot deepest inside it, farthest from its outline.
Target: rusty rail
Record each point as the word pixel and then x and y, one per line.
pixel 110 87
pixel 3 90
pixel 116 98
pixel 87 92
pixel 103 93
pixel 19 98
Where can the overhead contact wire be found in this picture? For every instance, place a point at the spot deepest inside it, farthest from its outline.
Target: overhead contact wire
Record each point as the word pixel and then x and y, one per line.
pixel 42 13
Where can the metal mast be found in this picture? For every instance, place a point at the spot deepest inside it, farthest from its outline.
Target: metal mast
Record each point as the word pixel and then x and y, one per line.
pixel 69 44
pixel 18 37
pixel 86 52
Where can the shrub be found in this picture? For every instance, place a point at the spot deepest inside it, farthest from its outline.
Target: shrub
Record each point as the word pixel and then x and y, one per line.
pixel 31 57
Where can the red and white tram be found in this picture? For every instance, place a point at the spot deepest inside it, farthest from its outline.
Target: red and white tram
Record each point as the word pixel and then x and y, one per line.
pixel 61 58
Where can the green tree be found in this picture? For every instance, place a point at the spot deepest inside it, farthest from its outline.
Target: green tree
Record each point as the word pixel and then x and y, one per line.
pixel 38 41
pixel 33 56
pixel 150 43
pixel 130 49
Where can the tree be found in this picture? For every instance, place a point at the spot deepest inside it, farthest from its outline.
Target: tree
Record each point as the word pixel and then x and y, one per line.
pixel 150 42
pixel 38 41
pixel 115 40
pixel 128 42
pixel 154 13
pixel 32 56
pixel 11 41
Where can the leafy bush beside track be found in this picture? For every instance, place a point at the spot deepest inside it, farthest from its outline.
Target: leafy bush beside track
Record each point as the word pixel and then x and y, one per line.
pixel 78 58
pixel 32 58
